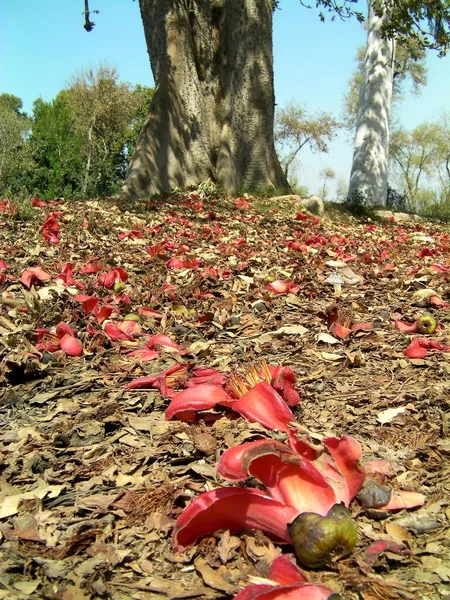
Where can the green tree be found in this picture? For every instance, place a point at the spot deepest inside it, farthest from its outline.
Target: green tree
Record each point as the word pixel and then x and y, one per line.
pixel 416 156
pixel 295 128
pixel 55 148
pixel 102 109
pixel 14 124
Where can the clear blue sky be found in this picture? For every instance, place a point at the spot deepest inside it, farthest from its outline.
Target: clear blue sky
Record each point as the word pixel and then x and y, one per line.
pixel 43 43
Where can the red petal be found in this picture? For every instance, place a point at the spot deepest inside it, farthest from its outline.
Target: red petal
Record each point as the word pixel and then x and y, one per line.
pixel 401 499
pixel 309 591
pixel 340 331
pixel 234 509
pixel 88 302
pixel 415 350
pixel 199 397
pixel 105 312
pixel 63 328
pixel 114 333
pixel 144 354
pixel 71 346
pixel 130 327
pixel 263 405
pixel 347 453
pixel 289 478
pixel 162 340
pixel 285 572
pixel 406 327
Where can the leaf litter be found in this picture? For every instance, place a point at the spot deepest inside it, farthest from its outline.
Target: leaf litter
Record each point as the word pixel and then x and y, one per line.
pixel 93 477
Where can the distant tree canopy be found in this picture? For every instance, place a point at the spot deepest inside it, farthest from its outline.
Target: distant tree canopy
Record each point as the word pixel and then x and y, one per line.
pixel 76 145
pixel 295 128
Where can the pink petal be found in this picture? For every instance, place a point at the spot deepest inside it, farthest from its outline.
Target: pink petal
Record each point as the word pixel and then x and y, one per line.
pixel 288 477
pixel 149 312
pixel 199 397
pixel 285 572
pixel 63 328
pixel 279 286
pixel 362 327
pixel 378 466
pixel 309 591
pixel 144 354
pixel 406 327
pixel 401 499
pixel 114 333
pixel 234 509
pixel 347 453
pixel 130 327
pixel 162 340
pixel 263 405
pixel 34 273
pixel 71 346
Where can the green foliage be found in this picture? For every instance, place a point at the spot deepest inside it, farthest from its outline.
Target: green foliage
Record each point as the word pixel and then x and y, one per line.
pixel 77 145
pixel 425 21
pixel 14 125
pixel 55 148
pixel 416 156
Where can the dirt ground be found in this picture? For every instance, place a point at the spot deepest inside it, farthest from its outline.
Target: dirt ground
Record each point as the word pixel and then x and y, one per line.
pixel 93 477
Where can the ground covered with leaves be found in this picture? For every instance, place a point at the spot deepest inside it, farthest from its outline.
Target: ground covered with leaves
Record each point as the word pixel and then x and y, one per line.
pixel 93 476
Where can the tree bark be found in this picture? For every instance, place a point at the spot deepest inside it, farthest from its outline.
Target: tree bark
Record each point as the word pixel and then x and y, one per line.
pixel 369 173
pixel 212 113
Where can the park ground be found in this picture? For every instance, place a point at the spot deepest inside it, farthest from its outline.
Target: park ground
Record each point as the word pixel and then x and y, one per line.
pixel 93 477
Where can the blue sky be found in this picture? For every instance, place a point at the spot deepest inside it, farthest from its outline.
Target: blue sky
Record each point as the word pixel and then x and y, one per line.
pixel 43 44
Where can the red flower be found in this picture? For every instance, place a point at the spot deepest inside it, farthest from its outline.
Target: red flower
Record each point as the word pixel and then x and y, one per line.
pixel 286 582
pixel 300 478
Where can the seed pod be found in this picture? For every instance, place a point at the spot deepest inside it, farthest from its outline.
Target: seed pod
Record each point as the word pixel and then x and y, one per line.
pixel 318 540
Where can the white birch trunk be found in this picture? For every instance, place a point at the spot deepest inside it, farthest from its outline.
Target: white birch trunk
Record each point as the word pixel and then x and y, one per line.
pixel 371 148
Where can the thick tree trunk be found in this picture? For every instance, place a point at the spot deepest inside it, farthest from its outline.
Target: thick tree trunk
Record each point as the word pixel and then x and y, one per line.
pixel 371 149
pixel 213 108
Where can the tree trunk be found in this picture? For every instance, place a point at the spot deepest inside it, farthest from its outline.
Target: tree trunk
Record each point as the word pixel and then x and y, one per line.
pixel 369 173
pixel 212 113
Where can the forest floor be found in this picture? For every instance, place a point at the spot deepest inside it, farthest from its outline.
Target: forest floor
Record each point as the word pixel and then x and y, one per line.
pixel 92 475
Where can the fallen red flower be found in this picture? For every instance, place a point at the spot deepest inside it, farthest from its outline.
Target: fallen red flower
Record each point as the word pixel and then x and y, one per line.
pixel 338 328
pixel 50 228
pixel 282 287
pixel 419 347
pixel 117 275
pixel 285 582
pixel 254 397
pixel 34 275
pixel 66 277
pixel 297 481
